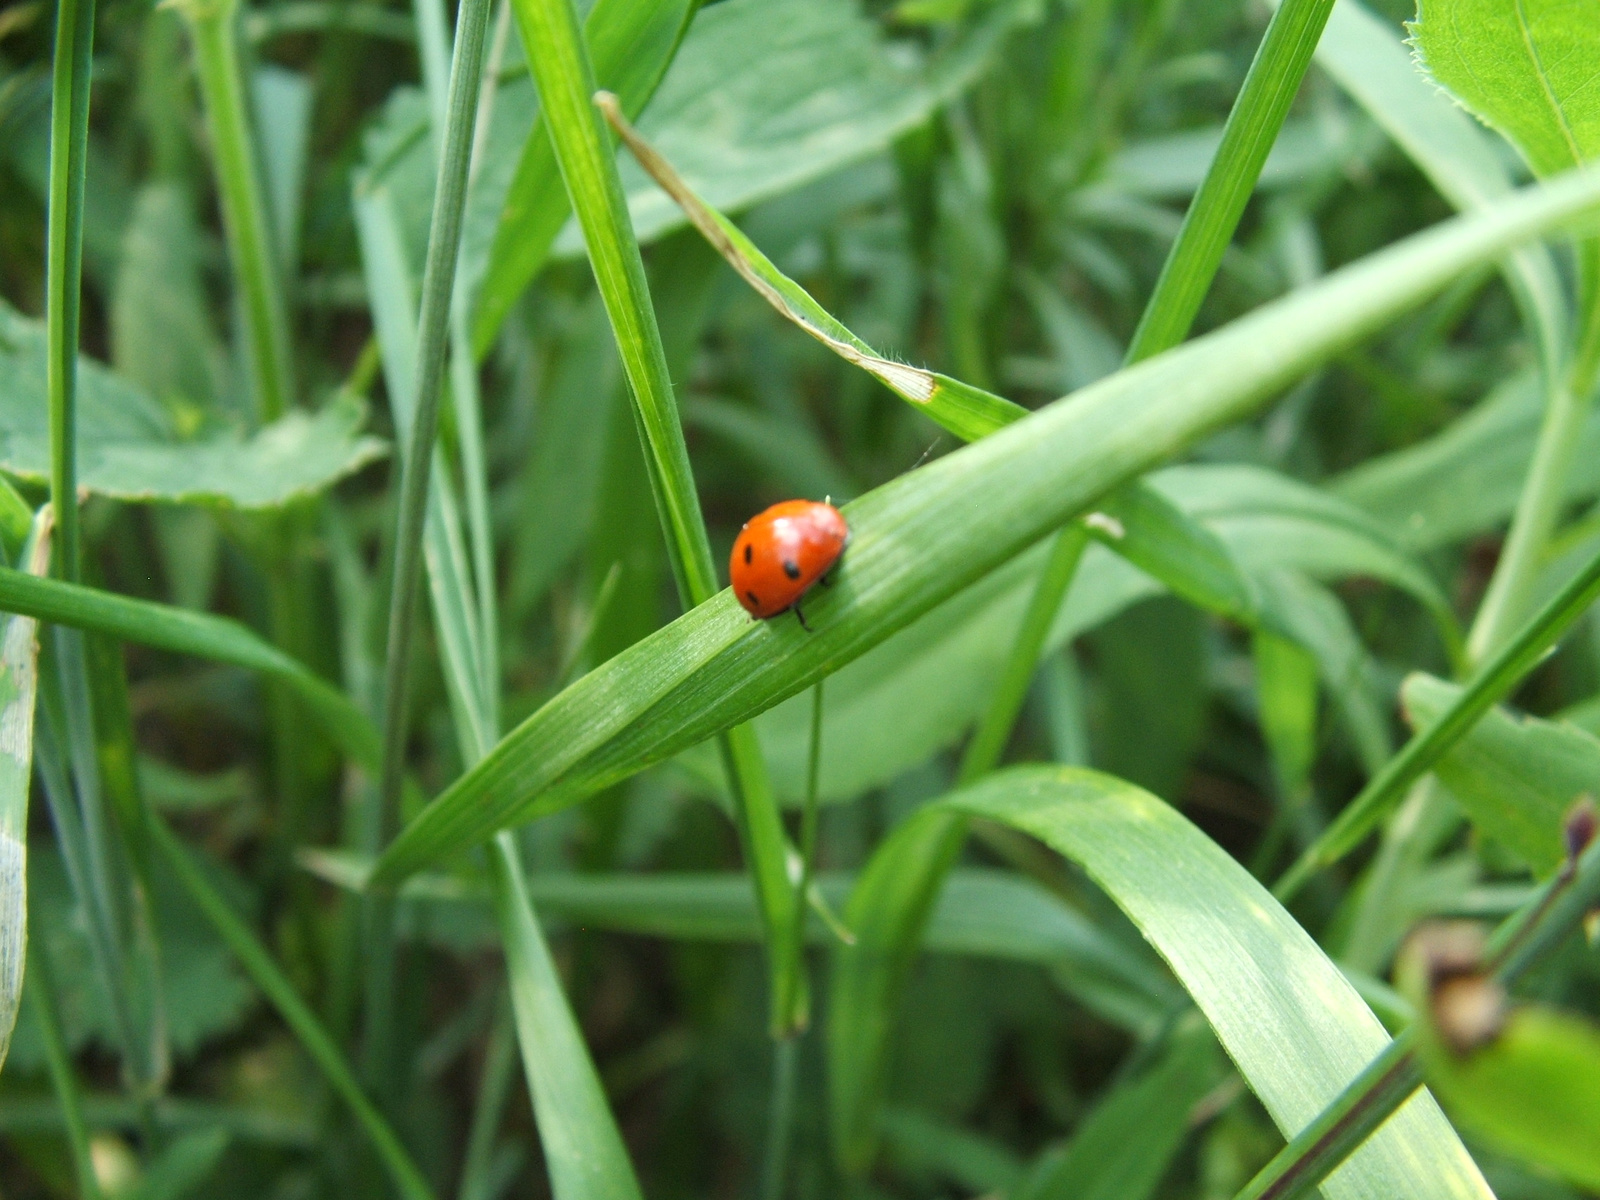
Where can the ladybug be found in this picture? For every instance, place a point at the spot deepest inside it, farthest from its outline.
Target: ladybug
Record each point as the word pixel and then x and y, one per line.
pixel 781 552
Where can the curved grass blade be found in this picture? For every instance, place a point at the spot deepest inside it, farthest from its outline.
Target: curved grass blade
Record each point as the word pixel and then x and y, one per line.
pixel 968 412
pixel 184 631
pixel 213 27
pixel 256 960
pixel 43 1006
pixel 1261 981
pixel 924 536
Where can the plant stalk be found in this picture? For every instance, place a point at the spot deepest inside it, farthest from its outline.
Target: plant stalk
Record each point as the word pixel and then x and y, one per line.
pixel 444 240
pixel 213 25
pixel 69 143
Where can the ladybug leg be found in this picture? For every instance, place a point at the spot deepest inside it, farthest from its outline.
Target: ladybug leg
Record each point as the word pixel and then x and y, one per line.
pixel 802 618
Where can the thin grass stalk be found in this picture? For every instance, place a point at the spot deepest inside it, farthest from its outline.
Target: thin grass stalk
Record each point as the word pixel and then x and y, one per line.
pixel 564 76
pixel 1252 127
pixel 41 997
pixel 1375 1095
pixel 444 239
pixel 1544 494
pixel 1490 684
pixel 213 26
pixel 780 1115
pixel 69 142
pixel 302 1022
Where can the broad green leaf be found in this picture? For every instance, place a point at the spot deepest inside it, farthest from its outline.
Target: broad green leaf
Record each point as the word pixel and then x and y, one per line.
pixel 924 536
pixel 513 217
pixel 1368 60
pixel 162 340
pixel 1123 1147
pixel 1524 67
pixel 1516 776
pixel 181 1166
pixel 133 449
pixel 19 661
pixel 1260 980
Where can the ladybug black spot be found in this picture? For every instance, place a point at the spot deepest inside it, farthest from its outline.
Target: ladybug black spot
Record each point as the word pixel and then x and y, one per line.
pixel 748 554
pixel 791 569
pixel 754 599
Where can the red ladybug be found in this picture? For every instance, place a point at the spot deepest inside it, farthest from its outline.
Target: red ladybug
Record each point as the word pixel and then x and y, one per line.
pixel 781 552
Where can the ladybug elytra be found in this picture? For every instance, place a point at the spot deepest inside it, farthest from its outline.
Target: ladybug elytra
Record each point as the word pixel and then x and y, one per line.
pixel 782 552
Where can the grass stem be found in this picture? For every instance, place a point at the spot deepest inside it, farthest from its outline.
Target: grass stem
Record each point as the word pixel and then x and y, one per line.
pixel 69 143
pixel 213 26
pixel 444 239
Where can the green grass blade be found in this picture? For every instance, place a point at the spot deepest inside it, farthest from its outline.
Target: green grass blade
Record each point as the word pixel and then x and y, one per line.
pixel 42 1003
pixel 256 960
pixel 631 44
pixel 565 79
pixel 1253 124
pixel 586 1156
pixel 184 631
pixel 213 26
pixel 1490 684
pixel 925 536
pixel 968 412
pixel 433 332
pixel 1257 976
pixel 69 139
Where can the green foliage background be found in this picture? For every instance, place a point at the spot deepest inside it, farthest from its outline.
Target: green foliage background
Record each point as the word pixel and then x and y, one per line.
pixel 1209 389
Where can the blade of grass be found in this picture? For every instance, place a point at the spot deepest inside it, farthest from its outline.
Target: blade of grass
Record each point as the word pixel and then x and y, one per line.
pixel 1257 976
pixel 213 26
pixel 184 631
pixel 258 963
pixel 631 43
pixel 583 1147
pixel 1253 124
pixel 565 80
pixel 585 1152
pixel 444 241
pixel 69 139
pixel 42 1005
pixel 1490 684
